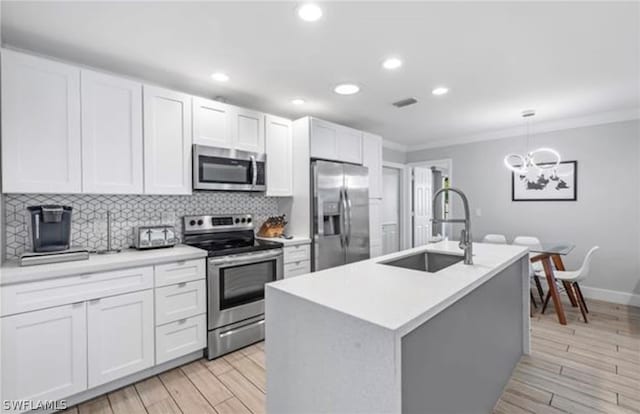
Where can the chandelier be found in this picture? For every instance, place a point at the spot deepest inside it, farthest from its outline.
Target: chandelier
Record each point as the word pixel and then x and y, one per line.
pixel 528 164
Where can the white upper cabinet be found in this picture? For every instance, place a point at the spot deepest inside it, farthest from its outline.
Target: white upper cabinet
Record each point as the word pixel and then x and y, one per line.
pixel 167 141
pixel 372 159
pixel 279 148
pixel 120 336
pixel 44 353
pixel 330 141
pixel 41 148
pixel 212 123
pixel 111 134
pixel 248 130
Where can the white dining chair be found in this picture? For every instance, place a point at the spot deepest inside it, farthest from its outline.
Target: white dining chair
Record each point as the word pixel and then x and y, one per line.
pixel 535 269
pixel 572 278
pixel 494 239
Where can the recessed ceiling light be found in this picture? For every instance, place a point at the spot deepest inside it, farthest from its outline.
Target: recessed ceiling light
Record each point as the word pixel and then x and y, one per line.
pixel 346 89
pixel 220 77
pixel 310 12
pixel 298 101
pixel 440 91
pixel 392 63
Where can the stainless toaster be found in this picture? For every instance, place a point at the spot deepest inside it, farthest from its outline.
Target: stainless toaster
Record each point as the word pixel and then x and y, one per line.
pixel 151 237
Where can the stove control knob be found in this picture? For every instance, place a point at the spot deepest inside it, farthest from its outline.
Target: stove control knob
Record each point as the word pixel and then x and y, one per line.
pixel 244 220
pixel 237 220
pixel 192 223
pixel 248 219
pixel 200 222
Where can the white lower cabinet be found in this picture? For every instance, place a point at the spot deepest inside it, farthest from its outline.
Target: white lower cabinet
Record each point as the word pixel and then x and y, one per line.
pixel 44 353
pixel 297 260
pixel 120 336
pixel 180 301
pixel 181 337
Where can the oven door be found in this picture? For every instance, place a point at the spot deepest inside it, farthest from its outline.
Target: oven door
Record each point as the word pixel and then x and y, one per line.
pixel 216 169
pixel 236 285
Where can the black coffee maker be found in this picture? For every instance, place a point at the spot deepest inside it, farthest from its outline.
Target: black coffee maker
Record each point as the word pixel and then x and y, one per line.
pixel 50 228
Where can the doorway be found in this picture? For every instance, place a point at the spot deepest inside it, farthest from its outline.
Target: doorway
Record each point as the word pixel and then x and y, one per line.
pixel 392 207
pixel 425 178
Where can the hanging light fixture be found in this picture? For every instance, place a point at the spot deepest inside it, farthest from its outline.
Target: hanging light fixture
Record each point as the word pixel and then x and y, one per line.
pixel 527 164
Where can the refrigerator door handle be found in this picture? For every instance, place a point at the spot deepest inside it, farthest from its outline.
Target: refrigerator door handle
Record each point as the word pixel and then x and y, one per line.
pixel 343 220
pixel 348 216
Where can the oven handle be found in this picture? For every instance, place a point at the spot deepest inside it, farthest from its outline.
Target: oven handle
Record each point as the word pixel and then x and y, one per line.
pixel 254 171
pixel 236 260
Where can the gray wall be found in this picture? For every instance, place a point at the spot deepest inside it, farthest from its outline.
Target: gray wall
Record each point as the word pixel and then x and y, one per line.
pixel 392 155
pixel 607 212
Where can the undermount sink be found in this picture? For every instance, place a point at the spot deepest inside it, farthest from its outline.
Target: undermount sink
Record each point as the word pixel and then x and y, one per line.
pixel 426 262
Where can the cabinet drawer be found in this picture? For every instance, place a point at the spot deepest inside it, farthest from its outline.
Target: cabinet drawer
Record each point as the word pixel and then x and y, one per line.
pixel 179 338
pixel 297 268
pixel 180 301
pixel 25 297
pixel 297 253
pixel 178 272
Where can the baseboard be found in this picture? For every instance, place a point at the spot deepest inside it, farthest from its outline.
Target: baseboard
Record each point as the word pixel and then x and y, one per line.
pixel 614 296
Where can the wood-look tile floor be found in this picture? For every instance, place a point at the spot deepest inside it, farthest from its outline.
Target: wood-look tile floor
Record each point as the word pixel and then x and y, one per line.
pixel 578 368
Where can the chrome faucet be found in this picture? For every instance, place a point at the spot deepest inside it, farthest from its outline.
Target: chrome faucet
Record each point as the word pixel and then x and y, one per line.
pixel 465 235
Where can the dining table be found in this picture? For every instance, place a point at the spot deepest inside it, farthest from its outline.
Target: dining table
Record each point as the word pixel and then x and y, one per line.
pixel 550 255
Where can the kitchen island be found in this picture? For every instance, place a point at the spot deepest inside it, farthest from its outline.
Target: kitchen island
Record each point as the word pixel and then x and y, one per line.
pixel 416 331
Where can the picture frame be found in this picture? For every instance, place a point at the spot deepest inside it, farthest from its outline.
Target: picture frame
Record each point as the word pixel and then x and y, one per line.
pixel 564 187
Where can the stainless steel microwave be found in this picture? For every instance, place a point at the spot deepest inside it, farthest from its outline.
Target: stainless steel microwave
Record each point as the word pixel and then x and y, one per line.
pixel 227 170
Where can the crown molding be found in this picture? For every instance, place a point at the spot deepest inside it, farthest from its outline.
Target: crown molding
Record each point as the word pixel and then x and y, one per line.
pixel 394 145
pixel 542 127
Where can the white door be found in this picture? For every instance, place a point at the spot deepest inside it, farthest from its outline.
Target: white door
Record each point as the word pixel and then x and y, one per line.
pixel 212 123
pixel 349 148
pixel 111 134
pixel 41 149
pixel 372 159
pixel 167 141
pixel 121 338
pixel 44 353
pixel 279 149
pixel 375 227
pixel 391 210
pixel 422 185
pixel 248 130
pixel 324 140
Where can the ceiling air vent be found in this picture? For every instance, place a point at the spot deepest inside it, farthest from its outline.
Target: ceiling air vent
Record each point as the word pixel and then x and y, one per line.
pixel 405 102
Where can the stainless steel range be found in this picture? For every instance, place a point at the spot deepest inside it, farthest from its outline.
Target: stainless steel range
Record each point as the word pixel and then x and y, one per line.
pixel 239 265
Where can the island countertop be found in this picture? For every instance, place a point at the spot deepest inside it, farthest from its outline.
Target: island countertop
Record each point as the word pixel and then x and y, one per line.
pixel 396 298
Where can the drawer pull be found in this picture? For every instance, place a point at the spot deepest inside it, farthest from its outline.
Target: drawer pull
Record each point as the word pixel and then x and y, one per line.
pixel 182 284
pixel 94 301
pixel 181 262
pixel 182 321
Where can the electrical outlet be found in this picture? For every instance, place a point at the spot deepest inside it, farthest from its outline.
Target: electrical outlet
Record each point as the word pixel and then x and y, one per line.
pixel 168 217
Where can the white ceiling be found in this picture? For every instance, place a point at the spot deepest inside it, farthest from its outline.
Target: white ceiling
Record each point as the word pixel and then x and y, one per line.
pixel 567 59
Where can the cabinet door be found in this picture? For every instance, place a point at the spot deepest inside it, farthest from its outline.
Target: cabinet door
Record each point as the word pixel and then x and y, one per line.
pixel 248 130
pixel 40 125
pixel 212 123
pixel 167 141
pixel 44 353
pixel 120 336
pixel 279 148
pixel 324 140
pixel 111 134
pixel 349 145
pixel 372 159
pixel 375 227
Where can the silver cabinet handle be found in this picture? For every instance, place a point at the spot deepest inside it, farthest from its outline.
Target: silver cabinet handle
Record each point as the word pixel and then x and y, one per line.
pixel 244 258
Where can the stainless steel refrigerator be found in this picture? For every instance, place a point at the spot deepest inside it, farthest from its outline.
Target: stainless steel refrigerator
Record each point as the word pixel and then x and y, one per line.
pixel 340 216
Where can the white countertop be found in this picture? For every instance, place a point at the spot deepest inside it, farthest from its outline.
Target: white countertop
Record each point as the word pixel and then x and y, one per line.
pixel 400 299
pixel 12 272
pixel 287 242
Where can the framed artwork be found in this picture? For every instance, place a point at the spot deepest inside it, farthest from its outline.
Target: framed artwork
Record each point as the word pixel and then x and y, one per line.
pixel 562 186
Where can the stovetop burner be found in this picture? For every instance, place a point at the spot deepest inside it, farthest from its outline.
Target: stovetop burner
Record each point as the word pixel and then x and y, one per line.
pixel 224 235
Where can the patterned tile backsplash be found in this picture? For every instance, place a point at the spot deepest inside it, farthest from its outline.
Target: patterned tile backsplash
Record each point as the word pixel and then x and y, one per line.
pixel 89 220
